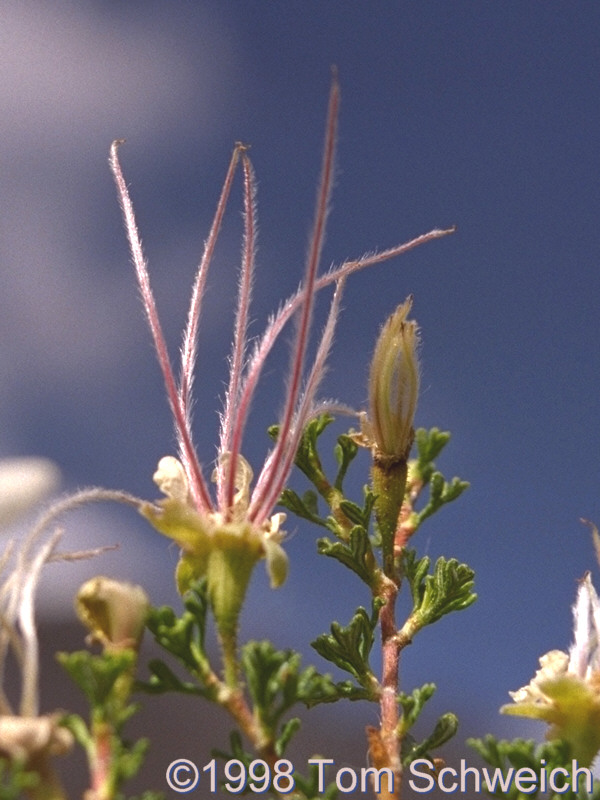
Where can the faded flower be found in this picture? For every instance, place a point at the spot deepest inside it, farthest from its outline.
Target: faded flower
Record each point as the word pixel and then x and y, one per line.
pixel 565 691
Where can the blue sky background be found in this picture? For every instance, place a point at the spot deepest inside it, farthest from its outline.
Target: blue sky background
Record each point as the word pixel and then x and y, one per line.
pixel 483 115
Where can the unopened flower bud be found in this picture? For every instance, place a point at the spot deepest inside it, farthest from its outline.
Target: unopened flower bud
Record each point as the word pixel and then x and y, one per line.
pixel 394 387
pixel 115 612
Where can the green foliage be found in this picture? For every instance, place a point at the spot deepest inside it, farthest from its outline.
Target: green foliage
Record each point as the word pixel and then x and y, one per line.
pixel 310 786
pixel 15 779
pixel 356 553
pixel 183 637
pixel 429 444
pixel 412 706
pixel 345 452
pixel 145 796
pixel 306 788
pixel 305 507
pixel 276 684
pixel 106 681
pixel 440 493
pixel 349 648
pixel 307 456
pixel 413 703
pixel 97 676
pixel 445 728
pixel 505 756
pixel 448 589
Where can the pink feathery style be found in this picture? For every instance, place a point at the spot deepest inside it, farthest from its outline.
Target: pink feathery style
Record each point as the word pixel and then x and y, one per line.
pixel 192 515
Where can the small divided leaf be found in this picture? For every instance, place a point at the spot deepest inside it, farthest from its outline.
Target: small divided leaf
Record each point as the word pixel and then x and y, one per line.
pixel 430 443
pixel 345 452
pixel 96 675
pixel 445 729
pixel 305 507
pixel 356 553
pixel 307 456
pixel 448 589
pixel 276 683
pixel 163 679
pixel 412 704
pixel 349 647
pixel 184 637
pixel 440 493
pixel 507 756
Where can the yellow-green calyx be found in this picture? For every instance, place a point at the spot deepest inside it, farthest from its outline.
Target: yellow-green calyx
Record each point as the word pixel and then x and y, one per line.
pixel 115 612
pixel 565 691
pixel 223 550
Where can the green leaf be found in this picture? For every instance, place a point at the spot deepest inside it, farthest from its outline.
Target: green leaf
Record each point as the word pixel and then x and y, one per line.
pixel 430 443
pixel 412 704
pixel 276 683
pixel 445 728
pixel 520 753
pixel 448 589
pixel 288 731
pixel 96 675
pixel 78 728
pixel 440 493
pixel 184 637
pixel 349 647
pixel 304 507
pixel 163 680
pixel 307 457
pixel 356 553
pixel 345 452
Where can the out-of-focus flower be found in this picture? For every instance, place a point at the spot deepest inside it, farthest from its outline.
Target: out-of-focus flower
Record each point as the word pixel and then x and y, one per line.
pixel 565 691
pixel 26 735
pixel 24 482
pixel 226 534
pixel 114 611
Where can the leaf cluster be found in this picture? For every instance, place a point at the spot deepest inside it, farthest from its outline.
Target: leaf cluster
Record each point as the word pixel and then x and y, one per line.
pixel 412 706
pixel 276 684
pixel 525 753
pixel 306 787
pixel 429 444
pixel 349 648
pixel 449 588
pixel 184 637
pixel 16 779
pixel 106 680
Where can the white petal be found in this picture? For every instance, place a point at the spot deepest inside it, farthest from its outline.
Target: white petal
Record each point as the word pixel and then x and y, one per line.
pixel 171 479
pixel 584 654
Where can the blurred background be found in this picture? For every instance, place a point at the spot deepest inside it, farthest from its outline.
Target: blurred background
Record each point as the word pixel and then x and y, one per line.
pixel 483 115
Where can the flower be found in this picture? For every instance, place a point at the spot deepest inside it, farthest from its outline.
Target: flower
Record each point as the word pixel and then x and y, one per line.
pixel 24 482
pixel 222 536
pixel 565 691
pixel 25 734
